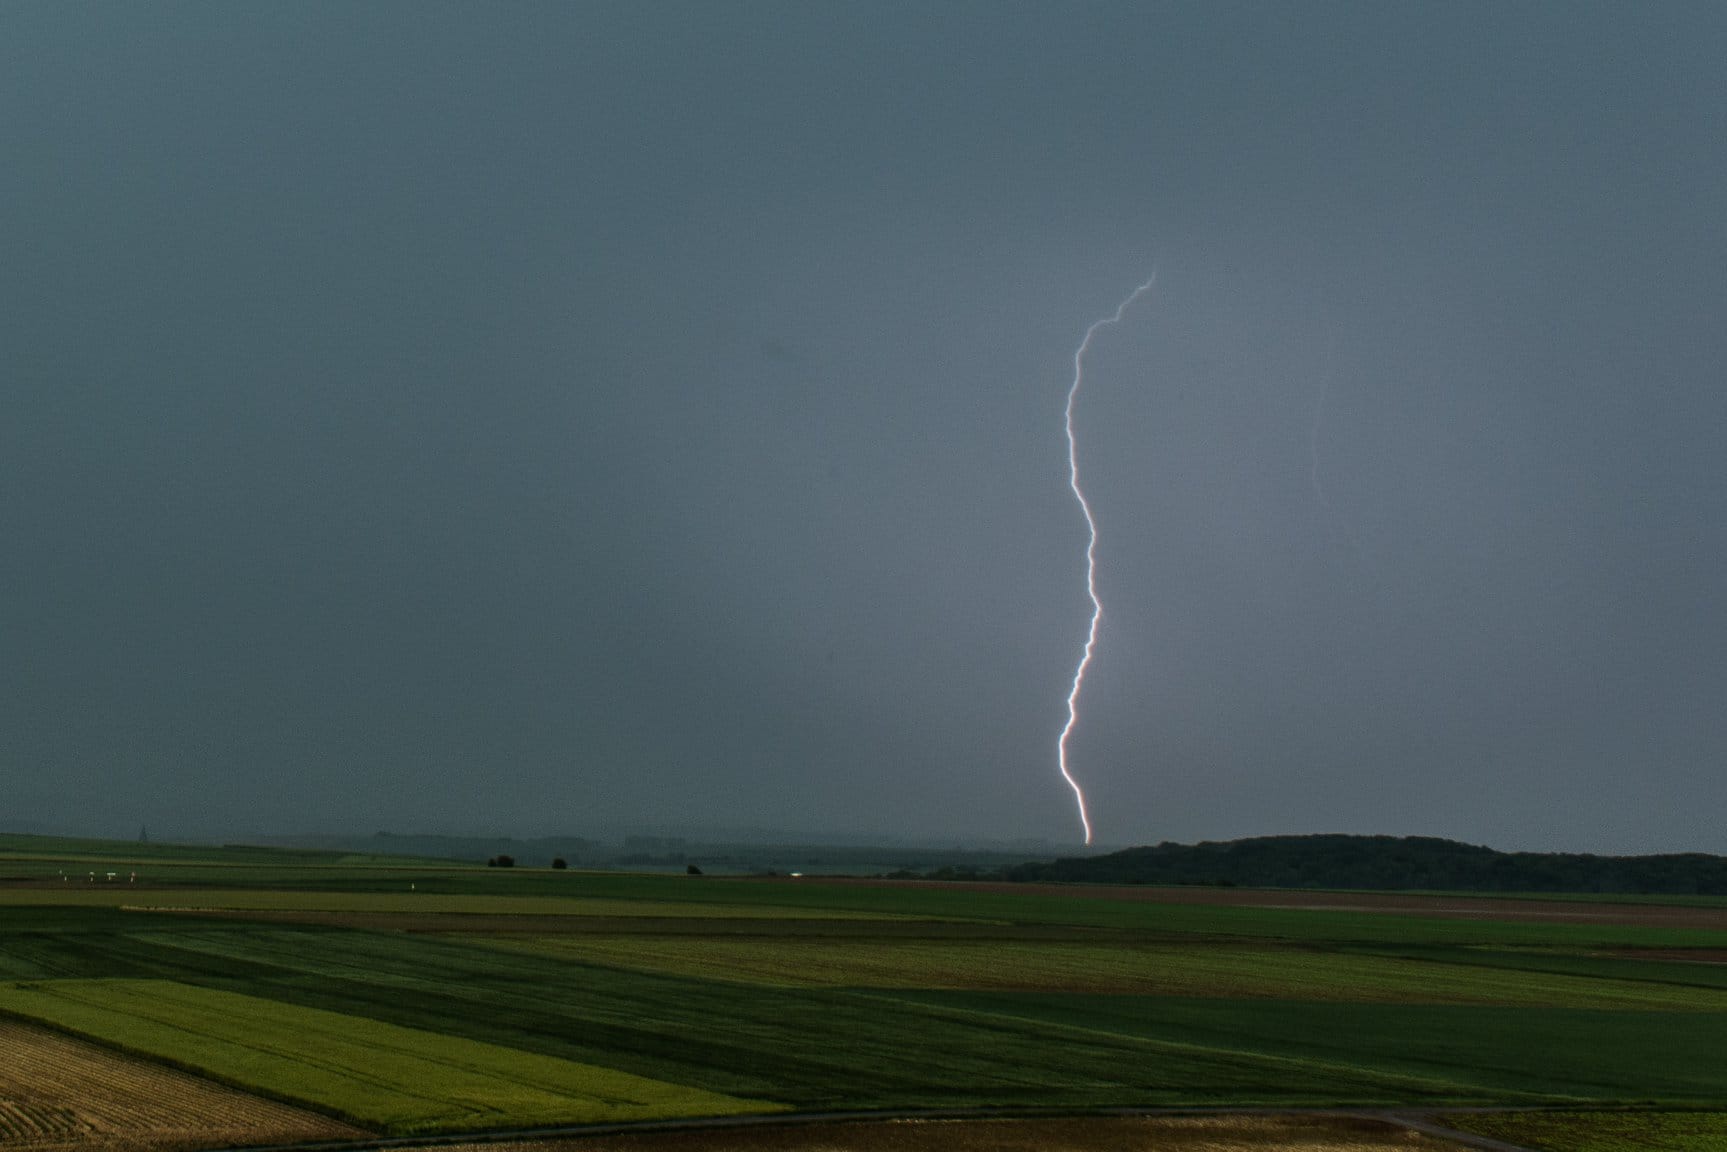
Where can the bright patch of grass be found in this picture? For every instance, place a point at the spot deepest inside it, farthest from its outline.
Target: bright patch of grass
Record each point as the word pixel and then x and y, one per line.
pixel 383 1075
pixel 1602 1131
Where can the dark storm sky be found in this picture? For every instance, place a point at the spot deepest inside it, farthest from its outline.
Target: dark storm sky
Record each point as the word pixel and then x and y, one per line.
pixel 552 418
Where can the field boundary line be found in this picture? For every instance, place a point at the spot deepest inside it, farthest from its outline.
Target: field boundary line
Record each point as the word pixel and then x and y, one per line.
pixel 1420 1121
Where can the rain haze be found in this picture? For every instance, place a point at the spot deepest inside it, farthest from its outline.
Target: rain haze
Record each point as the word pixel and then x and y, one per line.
pixel 560 418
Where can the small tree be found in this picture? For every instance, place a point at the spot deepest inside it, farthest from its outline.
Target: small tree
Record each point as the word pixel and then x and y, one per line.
pixel 692 870
pixel 506 861
pixel 559 863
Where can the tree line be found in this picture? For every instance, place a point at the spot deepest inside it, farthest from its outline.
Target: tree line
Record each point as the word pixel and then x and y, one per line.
pixel 1386 862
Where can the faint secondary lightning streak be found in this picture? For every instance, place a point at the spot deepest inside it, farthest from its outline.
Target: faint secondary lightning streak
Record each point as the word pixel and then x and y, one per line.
pixel 1090 553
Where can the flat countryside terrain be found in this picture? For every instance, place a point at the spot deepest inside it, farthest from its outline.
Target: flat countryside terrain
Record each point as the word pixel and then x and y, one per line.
pixel 59 1093
pixel 404 997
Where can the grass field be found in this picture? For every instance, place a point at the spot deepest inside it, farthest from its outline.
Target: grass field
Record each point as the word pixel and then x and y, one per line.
pixel 812 1048
pixel 1603 1131
pixel 60 1093
pixel 488 997
pixel 381 1075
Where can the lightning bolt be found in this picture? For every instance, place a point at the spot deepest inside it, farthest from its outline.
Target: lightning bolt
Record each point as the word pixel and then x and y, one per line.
pixel 1090 553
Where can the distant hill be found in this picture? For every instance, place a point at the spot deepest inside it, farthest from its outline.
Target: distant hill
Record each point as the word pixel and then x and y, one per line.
pixel 1386 862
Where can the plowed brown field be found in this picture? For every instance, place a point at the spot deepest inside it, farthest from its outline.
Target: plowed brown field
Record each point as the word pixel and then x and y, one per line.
pixel 60 1093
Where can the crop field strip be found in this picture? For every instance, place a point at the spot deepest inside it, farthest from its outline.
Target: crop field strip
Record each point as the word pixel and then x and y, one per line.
pixel 57 1092
pixel 1225 911
pixel 1230 969
pixel 399 1079
pixel 374 960
pixel 827 995
pixel 814 901
pixel 1583 1055
pixel 1413 1025
pixel 1544 907
pixel 1408 919
pixel 750 1041
pixel 810 1049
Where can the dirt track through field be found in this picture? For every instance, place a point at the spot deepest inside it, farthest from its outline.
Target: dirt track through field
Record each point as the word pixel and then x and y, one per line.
pixel 58 1093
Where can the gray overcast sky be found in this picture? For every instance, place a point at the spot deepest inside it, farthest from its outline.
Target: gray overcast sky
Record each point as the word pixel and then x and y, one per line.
pixel 557 417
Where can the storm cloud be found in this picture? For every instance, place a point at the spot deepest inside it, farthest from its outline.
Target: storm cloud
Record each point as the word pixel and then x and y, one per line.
pixel 558 418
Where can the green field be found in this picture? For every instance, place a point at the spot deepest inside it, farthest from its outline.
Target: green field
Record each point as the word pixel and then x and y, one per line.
pixel 1227 969
pixel 1603 1131
pixel 381 1075
pixel 413 997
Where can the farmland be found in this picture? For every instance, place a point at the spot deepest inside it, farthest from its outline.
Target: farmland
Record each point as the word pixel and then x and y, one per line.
pixel 1604 1132
pixel 410 997
pixel 381 1075
pixel 59 1093
pixel 1195 969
